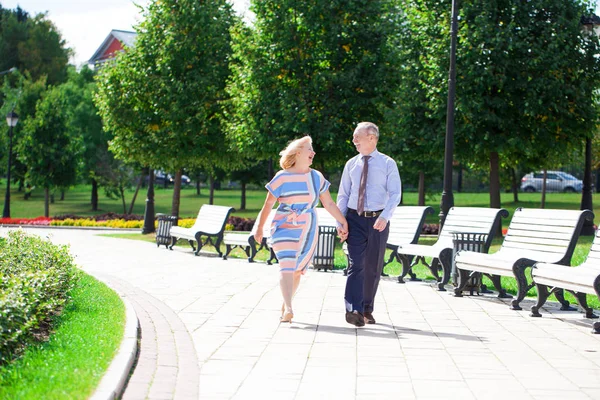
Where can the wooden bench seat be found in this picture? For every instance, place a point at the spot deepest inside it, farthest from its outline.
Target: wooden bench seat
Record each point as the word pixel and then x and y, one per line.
pixel 581 280
pixel 246 241
pixel 459 219
pixel 210 222
pixel 533 235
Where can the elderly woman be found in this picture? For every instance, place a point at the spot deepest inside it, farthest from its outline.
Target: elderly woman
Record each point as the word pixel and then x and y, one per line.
pixel 298 189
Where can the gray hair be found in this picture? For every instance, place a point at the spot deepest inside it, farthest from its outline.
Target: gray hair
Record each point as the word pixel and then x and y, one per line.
pixel 369 127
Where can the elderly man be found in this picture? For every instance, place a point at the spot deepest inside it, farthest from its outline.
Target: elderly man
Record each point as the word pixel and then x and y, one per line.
pixel 368 195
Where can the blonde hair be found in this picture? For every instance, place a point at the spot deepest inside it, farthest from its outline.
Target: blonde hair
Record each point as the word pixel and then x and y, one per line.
pixel 288 155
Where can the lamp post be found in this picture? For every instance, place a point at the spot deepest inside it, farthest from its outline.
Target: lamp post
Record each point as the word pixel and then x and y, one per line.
pixel 586 190
pixel 11 119
pixel 447 201
pixel 149 211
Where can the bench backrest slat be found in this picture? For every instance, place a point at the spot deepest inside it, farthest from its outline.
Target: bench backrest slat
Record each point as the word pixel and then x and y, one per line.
pixel 472 220
pixel 211 219
pixel 592 261
pixel 407 223
pixel 547 231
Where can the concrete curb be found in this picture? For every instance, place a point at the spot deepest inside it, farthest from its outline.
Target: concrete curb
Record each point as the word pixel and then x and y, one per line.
pixel 113 382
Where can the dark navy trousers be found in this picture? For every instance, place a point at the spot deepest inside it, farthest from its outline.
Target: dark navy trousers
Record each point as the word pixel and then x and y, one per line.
pixel 366 249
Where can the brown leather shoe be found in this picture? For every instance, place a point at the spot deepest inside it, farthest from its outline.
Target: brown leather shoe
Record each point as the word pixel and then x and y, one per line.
pixel 355 318
pixel 369 318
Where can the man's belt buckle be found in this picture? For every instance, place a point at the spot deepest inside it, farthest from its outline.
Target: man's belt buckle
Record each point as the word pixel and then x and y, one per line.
pixel 371 214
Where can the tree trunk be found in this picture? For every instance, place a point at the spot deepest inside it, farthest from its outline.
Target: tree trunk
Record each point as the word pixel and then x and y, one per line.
pixel 243 203
pixel 198 184
pixel 459 183
pixel 495 185
pixel 515 185
pixel 494 180
pixel 137 189
pixel 149 210
pixel 543 204
pixel 62 195
pixel 421 188
pixel 122 192
pixel 46 202
pixel 271 171
pixel 94 195
pixel 52 198
pixel 176 193
pixel 211 197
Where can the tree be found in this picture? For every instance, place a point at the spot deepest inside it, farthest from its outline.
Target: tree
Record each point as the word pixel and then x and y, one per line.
pixel 163 96
pixel 313 68
pixel 526 83
pixel 33 45
pixel 47 148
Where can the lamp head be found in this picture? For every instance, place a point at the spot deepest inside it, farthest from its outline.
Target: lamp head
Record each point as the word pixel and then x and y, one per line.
pixel 12 118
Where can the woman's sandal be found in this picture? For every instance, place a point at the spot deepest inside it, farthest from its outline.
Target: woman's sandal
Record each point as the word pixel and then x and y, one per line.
pixel 287 317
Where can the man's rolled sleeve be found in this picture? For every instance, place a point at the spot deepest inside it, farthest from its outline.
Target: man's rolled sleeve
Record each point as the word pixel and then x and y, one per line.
pixel 394 189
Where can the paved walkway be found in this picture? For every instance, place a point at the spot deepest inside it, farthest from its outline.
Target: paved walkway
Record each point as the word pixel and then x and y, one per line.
pixel 210 330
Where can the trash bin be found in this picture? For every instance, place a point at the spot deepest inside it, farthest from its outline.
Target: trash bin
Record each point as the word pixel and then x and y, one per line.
pixel 472 242
pixel 165 222
pixel 324 253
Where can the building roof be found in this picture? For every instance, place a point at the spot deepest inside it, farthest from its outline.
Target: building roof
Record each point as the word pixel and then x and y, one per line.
pixel 115 41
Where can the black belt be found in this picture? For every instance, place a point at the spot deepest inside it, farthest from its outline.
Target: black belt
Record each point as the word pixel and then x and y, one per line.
pixel 367 214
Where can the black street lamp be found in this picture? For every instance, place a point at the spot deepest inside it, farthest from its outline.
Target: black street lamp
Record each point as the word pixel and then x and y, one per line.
pixel 11 119
pixel 447 201
pixel 149 211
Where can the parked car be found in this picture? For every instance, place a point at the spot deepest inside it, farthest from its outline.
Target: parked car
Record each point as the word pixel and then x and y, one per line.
pixel 556 181
pixel 160 177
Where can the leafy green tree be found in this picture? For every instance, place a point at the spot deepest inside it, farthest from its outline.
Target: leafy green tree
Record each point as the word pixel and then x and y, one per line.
pixel 526 83
pixel 48 150
pixel 315 68
pixel 33 45
pixel 161 99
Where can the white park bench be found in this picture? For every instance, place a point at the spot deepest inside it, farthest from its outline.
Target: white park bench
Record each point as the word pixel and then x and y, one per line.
pixel 475 220
pixel 581 280
pixel 246 241
pixel 534 235
pixel 210 222
pixel 327 231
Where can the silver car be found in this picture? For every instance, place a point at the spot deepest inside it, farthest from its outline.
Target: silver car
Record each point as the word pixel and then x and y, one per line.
pixel 556 181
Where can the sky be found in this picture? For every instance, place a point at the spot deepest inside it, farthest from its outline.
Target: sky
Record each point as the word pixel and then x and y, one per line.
pixel 84 24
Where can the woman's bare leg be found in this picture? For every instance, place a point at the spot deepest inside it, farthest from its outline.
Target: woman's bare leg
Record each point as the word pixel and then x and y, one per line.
pixel 286 283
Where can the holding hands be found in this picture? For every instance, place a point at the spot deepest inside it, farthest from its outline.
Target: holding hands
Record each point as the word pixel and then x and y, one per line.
pixel 343 231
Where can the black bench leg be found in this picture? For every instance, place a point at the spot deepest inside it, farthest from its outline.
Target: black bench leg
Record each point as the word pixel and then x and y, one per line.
pixel 173 241
pixel 253 250
pixel 446 262
pixel 596 328
pixel 191 242
pixel 200 245
pixel 582 299
pixel 463 279
pixel 542 296
pixel 405 262
pixel 496 281
pixel 228 249
pixel 272 258
pixel 218 245
pixel 519 271
pixel 564 304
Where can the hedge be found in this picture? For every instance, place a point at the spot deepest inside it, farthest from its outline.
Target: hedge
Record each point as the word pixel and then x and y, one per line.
pixel 35 277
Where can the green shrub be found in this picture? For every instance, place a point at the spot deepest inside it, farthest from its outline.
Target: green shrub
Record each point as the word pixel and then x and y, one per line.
pixel 35 277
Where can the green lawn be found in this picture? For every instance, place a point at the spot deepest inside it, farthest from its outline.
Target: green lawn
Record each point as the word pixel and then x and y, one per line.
pixel 77 201
pixel 86 336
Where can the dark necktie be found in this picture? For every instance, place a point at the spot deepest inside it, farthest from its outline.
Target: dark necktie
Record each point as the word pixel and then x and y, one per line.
pixel 362 191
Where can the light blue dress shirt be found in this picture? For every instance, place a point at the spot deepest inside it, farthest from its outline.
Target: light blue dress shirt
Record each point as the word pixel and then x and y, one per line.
pixel 383 185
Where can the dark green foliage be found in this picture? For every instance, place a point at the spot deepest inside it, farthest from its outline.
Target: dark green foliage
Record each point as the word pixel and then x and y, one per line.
pixel 35 276
pixel 314 68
